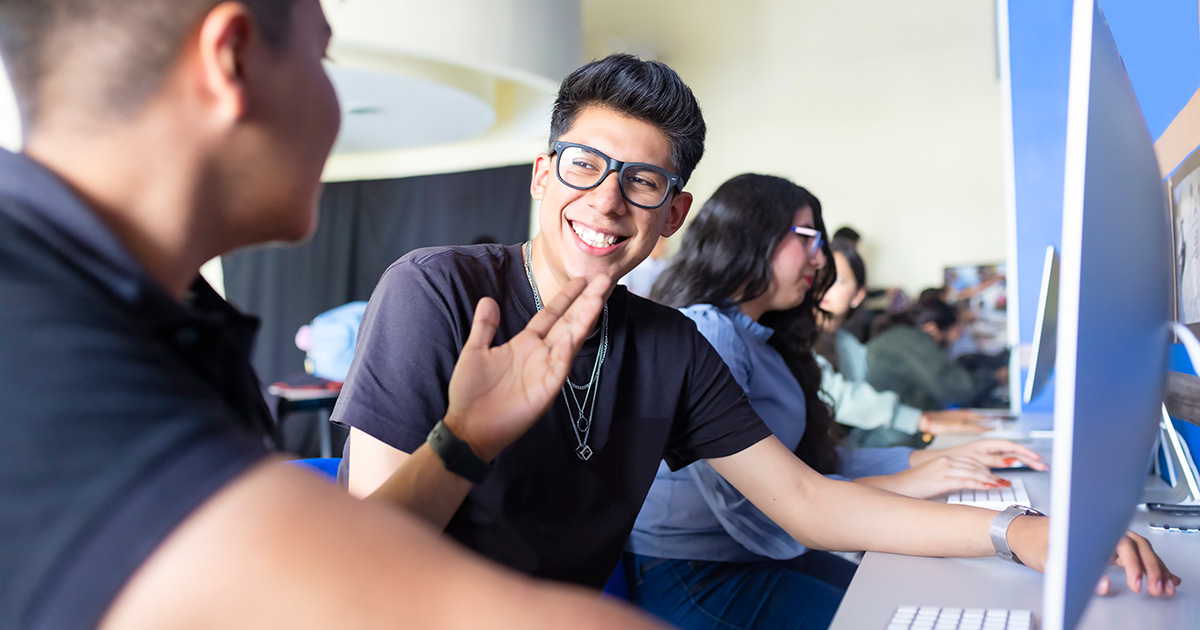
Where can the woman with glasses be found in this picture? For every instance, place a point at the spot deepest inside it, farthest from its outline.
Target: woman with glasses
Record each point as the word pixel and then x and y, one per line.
pixel 750 270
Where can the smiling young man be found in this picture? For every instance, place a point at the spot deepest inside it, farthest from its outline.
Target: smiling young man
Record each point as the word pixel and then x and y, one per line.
pixel 139 490
pixel 557 496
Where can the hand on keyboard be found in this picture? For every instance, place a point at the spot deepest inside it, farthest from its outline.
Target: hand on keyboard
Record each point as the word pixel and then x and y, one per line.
pixel 993 498
pixel 990 453
pixel 937 476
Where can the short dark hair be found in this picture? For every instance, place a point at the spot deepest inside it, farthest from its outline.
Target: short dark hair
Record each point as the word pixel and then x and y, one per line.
pixel 127 47
pixel 934 310
pixel 846 233
pixel 647 90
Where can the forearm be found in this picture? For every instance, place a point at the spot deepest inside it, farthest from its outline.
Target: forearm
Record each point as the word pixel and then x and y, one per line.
pixel 871 519
pixel 828 514
pixel 308 556
pixel 422 486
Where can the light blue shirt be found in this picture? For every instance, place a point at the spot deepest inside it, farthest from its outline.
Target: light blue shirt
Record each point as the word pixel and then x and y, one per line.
pixel 694 513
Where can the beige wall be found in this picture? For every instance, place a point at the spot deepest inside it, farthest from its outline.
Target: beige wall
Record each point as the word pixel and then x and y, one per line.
pixel 889 112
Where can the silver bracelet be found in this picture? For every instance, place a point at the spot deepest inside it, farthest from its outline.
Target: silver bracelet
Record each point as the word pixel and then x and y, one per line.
pixel 999 530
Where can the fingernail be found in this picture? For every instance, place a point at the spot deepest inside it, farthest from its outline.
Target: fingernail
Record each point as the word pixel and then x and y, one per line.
pixel 1009 461
pixel 1158 587
pixel 1006 483
pixel 1137 584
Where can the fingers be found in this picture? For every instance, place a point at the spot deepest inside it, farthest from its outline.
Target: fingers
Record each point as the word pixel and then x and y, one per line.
pixel 1003 454
pixel 958 421
pixel 1128 558
pixel 483 327
pixel 1137 557
pixel 556 307
pixel 956 473
pixel 572 312
pixel 1103 585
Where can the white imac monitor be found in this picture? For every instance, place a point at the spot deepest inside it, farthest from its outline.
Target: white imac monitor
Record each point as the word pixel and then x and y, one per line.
pixel 1114 320
pixel 1045 332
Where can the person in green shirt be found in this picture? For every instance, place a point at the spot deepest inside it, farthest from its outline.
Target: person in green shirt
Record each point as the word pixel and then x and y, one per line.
pixel 908 356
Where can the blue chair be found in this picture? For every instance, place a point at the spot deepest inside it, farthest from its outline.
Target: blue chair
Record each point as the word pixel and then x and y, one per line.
pixel 327 465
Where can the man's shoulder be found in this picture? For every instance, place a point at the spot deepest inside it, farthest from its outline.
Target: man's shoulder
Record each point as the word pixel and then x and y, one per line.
pixel 459 257
pixel 654 318
pixel 452 266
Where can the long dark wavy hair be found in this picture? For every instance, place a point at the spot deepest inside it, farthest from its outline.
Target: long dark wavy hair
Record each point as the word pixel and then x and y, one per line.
pixel 726 258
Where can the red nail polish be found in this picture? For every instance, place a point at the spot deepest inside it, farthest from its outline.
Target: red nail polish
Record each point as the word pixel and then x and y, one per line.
pixel 1009 461
pixel 1006 483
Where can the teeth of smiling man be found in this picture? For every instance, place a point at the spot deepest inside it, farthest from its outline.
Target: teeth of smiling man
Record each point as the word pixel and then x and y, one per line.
pixel 592 237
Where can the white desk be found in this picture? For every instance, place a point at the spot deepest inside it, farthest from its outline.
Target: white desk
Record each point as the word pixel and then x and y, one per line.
pixel 886 581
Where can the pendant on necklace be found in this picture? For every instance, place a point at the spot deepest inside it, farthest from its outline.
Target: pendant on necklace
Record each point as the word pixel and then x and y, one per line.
pixel 584 452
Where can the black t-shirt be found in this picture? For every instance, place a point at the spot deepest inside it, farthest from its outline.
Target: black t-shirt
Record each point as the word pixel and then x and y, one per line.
pixel 663 393
pixel 121 409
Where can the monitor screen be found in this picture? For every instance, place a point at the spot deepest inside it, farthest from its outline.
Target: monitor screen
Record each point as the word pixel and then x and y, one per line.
pixel 1114 317
pixel 1045 332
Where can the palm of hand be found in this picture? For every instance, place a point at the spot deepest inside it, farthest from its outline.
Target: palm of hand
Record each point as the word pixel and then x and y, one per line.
pixel 498 393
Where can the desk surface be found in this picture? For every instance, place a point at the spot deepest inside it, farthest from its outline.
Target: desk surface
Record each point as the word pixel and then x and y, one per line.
pixel 886 581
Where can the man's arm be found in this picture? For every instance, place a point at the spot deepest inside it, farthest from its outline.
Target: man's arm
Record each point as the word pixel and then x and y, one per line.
pixel 827 514
pixel 281 548
pixel 496 394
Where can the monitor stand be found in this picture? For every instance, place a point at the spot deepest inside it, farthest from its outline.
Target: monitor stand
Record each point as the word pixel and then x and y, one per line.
pixel 1186 488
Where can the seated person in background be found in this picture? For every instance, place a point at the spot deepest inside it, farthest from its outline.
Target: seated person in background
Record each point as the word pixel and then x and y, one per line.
pixel 139 490
pixel 907 355
pixel 873 417
pixel 700 555
pixel 641 280
pixel 847 235
pixel 557 497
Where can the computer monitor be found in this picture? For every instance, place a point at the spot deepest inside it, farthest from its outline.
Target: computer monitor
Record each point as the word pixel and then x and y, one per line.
pixel 1045 332
pixel 1114 319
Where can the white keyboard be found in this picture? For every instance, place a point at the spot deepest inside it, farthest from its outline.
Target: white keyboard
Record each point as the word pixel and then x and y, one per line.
pixel 933 618
pixel 994 499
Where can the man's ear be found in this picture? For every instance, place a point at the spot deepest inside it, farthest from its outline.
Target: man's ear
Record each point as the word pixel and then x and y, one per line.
pixel 677 212
pixel 540 176
pixel 931 329
pixel 222 48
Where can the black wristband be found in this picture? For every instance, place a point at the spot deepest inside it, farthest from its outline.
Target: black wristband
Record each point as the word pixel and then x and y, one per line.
pixel 457 455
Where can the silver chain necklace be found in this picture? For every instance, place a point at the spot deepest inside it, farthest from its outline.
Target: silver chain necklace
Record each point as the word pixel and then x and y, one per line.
pixel 581 423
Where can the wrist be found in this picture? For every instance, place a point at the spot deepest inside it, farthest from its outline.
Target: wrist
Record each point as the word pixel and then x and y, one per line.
pixel 478 447
pixel 1014 529
pixel 457 455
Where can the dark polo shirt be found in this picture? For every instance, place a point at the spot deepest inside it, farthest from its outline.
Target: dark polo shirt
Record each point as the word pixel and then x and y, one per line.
pixel 121 408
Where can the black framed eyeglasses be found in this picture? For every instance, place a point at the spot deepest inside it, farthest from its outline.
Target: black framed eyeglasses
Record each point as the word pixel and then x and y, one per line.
pixel 583 168
pixel 814 237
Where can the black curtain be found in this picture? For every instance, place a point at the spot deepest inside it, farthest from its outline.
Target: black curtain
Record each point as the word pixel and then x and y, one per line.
pixel 364 227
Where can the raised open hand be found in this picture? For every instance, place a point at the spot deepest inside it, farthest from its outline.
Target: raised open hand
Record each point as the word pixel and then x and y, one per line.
pixel 498 392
